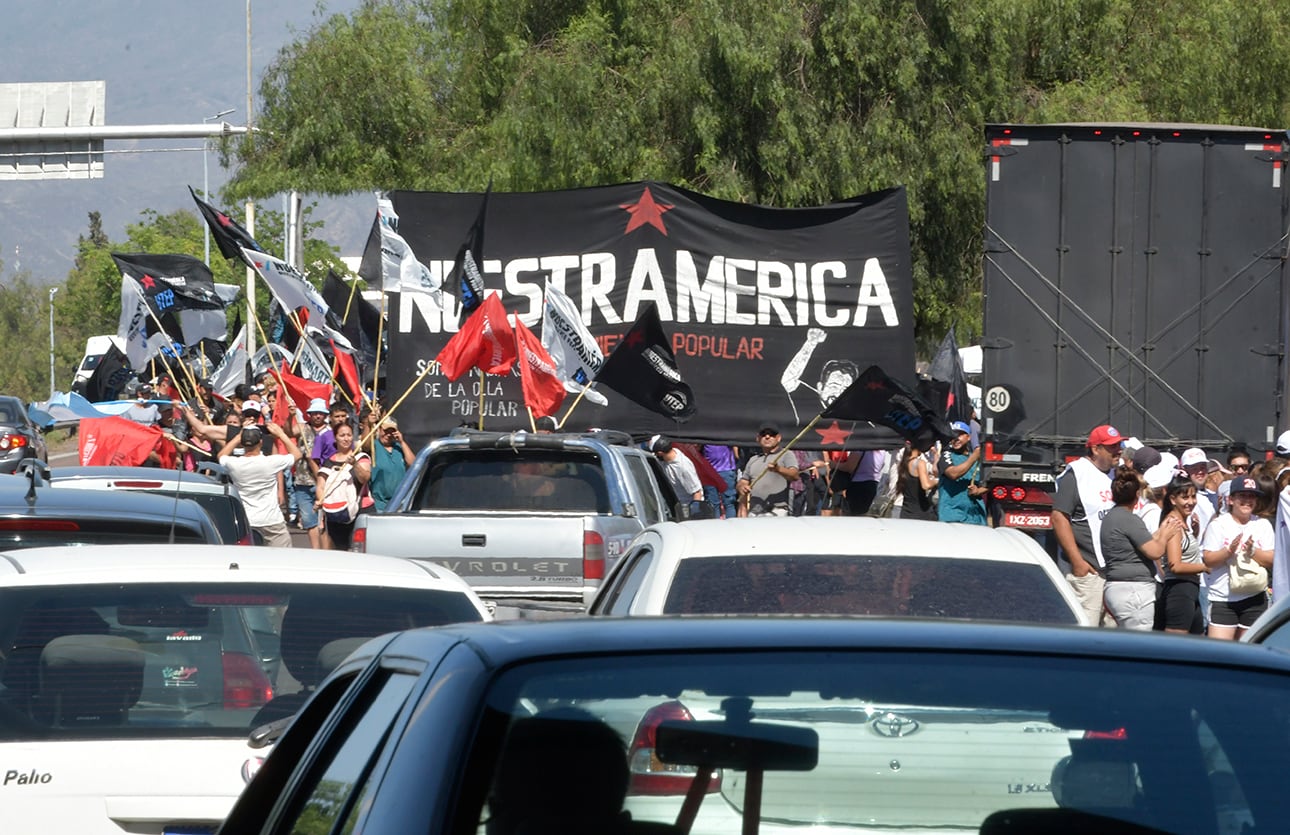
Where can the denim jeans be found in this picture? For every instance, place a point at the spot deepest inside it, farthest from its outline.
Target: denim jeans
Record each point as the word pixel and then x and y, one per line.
pixel 725 500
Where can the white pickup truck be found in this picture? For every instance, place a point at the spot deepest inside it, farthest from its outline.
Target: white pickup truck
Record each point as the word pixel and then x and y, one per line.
pixel 523 516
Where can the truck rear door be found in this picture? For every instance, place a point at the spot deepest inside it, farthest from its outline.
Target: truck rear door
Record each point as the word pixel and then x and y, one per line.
pixel 1134 275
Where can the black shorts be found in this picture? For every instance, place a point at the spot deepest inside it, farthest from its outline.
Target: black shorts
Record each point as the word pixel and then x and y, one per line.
pixel 1179 606
pixel 1241 613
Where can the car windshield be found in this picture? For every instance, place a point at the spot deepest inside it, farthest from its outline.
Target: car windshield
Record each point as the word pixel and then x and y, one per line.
pixel 552 480
pixel 36 532
pixel 888 586
pixel 879 741
pixel 189 660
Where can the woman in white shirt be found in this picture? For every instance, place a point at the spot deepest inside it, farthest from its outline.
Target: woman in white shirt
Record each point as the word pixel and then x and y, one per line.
pixel 1236 532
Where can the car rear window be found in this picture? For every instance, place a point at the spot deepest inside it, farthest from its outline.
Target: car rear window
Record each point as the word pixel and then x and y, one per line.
pixel 189 660
pixel 878 741
pixel 515 480
pixel 885 586
pixel 42 531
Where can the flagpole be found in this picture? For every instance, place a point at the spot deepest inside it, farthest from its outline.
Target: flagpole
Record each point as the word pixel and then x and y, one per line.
pixel 295 358
pixel 376 368
pixel 785 450
pixel 532 420
pixel 483 380
pixel 575 402
pixel 169 370
pixel 353 288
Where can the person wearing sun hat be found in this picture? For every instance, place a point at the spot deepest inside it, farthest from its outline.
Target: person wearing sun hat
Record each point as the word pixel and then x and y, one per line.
pixel 1082 499
pixel 961 496
pixel 1195 463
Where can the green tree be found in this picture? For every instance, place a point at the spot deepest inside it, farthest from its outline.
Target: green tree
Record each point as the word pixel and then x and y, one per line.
pixel 24 319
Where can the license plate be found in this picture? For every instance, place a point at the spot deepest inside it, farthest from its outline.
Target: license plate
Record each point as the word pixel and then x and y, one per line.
pixel 1027 519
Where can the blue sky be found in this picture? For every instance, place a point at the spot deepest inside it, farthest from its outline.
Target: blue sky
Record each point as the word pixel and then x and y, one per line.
pixel 164 62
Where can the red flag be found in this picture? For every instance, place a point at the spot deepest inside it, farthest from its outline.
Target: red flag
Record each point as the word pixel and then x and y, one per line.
pixel 301 390
pixel 485 341
pixel 543 389
pixel 117 441
pixel 348 371
pixel 708 475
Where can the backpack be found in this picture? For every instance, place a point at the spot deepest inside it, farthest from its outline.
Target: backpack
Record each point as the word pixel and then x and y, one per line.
pixel 340 499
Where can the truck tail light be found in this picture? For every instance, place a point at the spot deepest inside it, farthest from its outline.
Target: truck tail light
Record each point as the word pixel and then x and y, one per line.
pixel 1020 495
pixel 11 440
pixel 358 542
pixel 593 556
pixel 246 685
pixel 651 776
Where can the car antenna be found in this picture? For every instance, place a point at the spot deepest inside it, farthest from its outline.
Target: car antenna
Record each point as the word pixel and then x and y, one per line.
pixel 174 511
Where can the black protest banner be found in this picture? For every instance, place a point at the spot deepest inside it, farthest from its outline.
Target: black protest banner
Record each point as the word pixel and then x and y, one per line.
pixel 770 312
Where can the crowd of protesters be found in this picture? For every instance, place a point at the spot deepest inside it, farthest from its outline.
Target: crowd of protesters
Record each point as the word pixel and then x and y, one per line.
pixel 1146 539
pixel 1179 543
pixel 312 470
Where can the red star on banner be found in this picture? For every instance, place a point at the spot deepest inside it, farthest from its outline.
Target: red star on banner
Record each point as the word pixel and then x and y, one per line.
pixel 645 211
pixel 876 385
pixel 633 338
pixel 224 220
pixel 833 435
pixel 147 281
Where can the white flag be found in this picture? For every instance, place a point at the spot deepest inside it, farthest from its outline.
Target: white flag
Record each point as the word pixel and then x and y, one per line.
pixel 400 269
pixel 575 351
pixel 132 327
pixel 294 292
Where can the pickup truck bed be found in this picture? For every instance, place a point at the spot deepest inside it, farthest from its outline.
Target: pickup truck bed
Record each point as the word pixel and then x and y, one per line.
pixel 519 515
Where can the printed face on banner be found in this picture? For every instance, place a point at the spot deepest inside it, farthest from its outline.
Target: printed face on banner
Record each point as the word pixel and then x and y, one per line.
pixel 769 312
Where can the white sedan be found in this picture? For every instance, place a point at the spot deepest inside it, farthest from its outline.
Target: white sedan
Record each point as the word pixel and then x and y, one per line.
pixel 832 566
pixel 131 676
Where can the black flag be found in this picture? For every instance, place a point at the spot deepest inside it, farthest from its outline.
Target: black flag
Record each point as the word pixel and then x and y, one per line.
pixel 360 326
pixel 170 285
pixel 229 235
pixel 643 369
pixel 466 279
pixel 946 371
pixel 109 377
pixel 877 398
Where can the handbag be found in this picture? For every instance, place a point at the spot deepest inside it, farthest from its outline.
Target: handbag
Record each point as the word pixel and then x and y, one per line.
pixel 1245 576
pixel 340 499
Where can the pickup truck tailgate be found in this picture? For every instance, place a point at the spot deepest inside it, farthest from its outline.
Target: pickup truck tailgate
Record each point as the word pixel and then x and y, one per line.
pixel 493 552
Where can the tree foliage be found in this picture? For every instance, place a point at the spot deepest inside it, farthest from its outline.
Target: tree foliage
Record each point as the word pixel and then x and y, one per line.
pixel 781 102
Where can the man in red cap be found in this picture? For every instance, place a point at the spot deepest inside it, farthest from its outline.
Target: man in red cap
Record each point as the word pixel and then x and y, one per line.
pixel 1083 497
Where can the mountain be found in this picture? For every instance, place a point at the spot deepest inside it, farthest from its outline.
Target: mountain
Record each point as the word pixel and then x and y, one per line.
pixel 164 62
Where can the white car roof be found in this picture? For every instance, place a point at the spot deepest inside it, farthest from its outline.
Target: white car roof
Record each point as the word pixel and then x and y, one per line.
pixel 162 563
pixel 846 535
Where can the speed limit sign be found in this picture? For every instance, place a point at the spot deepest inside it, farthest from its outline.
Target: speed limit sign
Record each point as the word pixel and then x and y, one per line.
pixel 997 399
